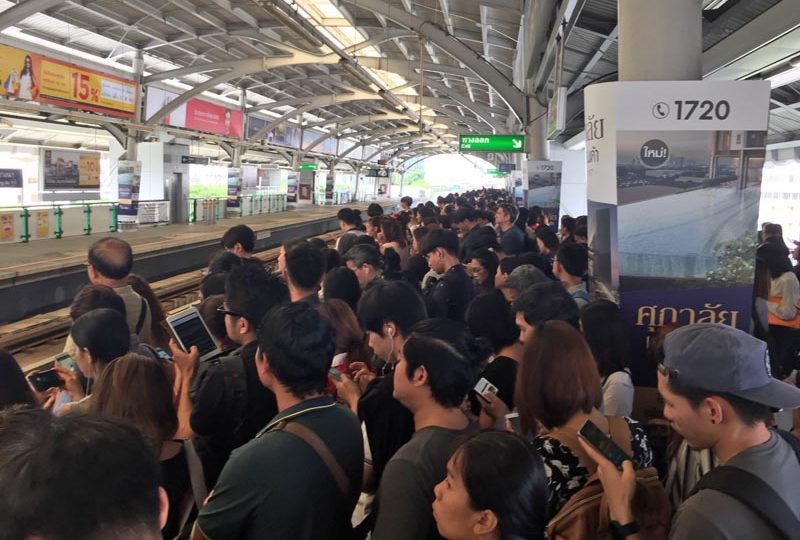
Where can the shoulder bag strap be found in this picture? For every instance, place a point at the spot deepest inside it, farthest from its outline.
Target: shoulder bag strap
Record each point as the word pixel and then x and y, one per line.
pixel 322 450
pixel 754 493
pixel 196 476
pixel 142 315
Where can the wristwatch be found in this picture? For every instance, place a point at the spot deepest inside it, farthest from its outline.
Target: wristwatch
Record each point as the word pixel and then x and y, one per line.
pixel 620 532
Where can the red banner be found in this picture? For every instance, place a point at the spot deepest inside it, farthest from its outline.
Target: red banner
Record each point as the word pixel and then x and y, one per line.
pixel 211 118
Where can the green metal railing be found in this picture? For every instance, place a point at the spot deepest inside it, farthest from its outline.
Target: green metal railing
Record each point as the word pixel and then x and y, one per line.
pixel 90 219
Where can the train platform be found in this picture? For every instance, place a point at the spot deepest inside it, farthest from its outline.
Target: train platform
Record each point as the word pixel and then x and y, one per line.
pixel 45 274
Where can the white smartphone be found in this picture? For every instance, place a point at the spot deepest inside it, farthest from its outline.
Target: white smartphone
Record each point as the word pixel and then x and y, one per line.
pixel 189 329
pixel 484 386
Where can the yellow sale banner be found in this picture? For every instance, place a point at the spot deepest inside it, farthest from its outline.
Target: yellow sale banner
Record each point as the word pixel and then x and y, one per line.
pixel 32 77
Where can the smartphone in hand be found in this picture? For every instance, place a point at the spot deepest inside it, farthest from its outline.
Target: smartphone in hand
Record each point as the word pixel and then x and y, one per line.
pixel 603 444
pixel 484 386
pixel 43 380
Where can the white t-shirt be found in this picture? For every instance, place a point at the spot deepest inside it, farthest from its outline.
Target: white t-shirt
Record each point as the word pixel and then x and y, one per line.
pixel 618 394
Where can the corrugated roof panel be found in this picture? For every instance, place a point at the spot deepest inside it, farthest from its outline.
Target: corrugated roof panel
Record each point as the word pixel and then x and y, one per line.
pixel 733 19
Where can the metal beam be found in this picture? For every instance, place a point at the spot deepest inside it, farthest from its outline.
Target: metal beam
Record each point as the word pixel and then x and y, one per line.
pixel 243 67
pixel 403 67
pixel 794 113
pixel 23 10
pixel 359 120
pixel 515 98
pixel 566 11
pixel 782 19
pixel 375 135
pixel 598 55
pixel 326 100
pixel 399 142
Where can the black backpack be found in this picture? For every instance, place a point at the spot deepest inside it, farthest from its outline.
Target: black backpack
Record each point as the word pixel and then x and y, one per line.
pixel 755 493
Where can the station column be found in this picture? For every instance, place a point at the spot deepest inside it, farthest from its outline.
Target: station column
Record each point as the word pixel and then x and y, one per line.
pixel 660 41
pixel 131 153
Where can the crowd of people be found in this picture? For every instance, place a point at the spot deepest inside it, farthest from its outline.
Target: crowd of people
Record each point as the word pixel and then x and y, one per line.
pixel 435 374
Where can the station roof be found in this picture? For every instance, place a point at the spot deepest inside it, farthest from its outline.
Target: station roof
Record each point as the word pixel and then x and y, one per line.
pixel 406 68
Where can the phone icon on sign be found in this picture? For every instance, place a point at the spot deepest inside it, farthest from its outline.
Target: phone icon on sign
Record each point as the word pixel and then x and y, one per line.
pixel 660 110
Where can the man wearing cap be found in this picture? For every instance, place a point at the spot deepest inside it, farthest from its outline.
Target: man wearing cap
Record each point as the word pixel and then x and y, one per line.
pixel 450 296
pixel 719 394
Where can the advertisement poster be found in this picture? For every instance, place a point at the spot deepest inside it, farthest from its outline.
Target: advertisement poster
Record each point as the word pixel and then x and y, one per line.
pixel 291 188
pixel 544 187
pixel 674 178
pixel 6 227
pixel 234 187
pixel 195 114
pixel 65 169
pixel 129 175
pixel 41 223
pixel 11 178
pixel 32 77
pixel 329 187
pixel 304 191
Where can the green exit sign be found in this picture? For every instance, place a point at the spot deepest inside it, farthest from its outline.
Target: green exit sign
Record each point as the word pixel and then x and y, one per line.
pixel 308 167
pixel 491 143
pixel 496 172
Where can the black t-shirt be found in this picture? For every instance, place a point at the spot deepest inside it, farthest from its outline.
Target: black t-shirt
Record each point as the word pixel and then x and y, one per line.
pixel 174 478
pixel 278 486
pixel 501 372
pixel 220 419
pixel 417 267
pixel 389 424
pixel 451 295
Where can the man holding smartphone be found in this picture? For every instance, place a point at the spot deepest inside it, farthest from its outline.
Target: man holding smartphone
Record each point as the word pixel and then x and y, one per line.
pixel 719 394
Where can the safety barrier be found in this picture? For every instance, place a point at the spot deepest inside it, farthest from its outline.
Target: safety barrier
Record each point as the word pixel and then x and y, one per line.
pixel 211 209
pixel 37 222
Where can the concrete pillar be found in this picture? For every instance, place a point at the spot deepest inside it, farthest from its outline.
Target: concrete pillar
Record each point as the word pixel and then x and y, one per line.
pixel 660 40
pixel 132 139
pixel 536 132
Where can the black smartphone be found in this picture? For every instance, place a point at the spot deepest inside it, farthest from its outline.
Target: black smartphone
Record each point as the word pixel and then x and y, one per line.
pixel 45 379
pixel 603 444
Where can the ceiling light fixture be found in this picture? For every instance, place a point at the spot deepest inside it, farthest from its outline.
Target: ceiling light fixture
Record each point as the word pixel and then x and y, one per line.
pixel 787 76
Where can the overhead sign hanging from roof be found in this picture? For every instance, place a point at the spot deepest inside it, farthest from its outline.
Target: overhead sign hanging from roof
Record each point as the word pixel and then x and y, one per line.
pixel 27 76
pixel 491 143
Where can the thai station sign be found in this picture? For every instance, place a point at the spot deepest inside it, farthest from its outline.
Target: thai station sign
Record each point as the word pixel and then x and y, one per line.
pixel 674 179
pixel 491 143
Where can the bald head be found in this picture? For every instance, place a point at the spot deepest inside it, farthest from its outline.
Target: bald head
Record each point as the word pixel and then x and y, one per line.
pixel 112 258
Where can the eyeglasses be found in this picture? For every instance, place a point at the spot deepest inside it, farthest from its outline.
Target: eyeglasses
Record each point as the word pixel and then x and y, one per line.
pixel 224 311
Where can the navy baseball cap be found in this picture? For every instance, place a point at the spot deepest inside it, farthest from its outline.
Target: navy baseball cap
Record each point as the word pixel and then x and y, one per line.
pixel 719 358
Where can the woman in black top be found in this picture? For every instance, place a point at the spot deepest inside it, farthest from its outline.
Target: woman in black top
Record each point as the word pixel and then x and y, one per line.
pixel 489 317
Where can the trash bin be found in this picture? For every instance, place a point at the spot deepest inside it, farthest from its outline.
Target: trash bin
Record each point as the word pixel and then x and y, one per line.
pixel 210 211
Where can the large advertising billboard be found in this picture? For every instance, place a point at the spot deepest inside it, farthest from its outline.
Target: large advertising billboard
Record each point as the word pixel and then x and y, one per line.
pixel 196 114
pixel 65 169
pixel 674 178
pixel 32 77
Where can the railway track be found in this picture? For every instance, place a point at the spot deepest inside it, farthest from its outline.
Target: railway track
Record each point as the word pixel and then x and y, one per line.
pixel 35 340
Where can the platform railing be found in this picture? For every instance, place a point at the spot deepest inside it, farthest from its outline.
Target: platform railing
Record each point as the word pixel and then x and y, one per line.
pixel 210 209
pixel 37 222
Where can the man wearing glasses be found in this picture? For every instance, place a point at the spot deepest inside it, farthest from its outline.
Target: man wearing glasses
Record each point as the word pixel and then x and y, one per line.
pixel 229 404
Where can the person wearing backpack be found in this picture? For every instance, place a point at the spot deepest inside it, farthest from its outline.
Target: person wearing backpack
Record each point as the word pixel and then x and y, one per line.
pixel 558 389
pixel 229 404
pixel 719 394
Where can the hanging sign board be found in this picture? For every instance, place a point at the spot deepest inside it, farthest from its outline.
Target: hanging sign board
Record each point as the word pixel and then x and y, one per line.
pixel 32 77
pixel 194 160
pixel 491 143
